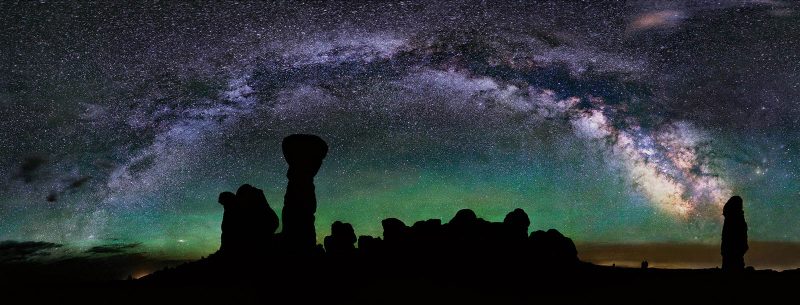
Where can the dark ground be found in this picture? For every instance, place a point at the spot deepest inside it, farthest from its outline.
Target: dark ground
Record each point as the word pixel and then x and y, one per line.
pixel 587 284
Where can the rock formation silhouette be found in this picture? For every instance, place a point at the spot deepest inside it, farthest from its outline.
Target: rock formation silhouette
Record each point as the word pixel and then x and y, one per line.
pixel 514 237
pixel 517 223
pixel 304 154
pixel 249 225
pixel 370 246
pixel 342 240
pixel 394 230
pixel 552 248
pixel 467 246
pixel 395 239
pixel 734 235
pixel 248 222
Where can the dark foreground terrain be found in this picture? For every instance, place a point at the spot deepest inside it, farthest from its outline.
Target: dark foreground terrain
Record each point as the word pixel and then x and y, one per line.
pixel 586 284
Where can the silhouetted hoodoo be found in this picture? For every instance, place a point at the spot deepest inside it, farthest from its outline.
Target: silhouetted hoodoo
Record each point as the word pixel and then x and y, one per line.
pixel 517 223
pixel 304 154
pixel 734 235
pixel 248 223
pixel 342 240
pixel 552 248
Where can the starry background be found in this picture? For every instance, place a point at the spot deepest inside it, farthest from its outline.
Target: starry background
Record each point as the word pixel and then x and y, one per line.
pixel 621 125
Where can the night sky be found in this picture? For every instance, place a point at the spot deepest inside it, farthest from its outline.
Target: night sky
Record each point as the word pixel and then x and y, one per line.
pixel 626 124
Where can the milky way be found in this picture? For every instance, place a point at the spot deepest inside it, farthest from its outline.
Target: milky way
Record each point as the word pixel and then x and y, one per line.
pixel 613 123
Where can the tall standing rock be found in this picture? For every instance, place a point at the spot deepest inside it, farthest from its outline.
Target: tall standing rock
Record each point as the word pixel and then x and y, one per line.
pixel 304 154
pixel 734 235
